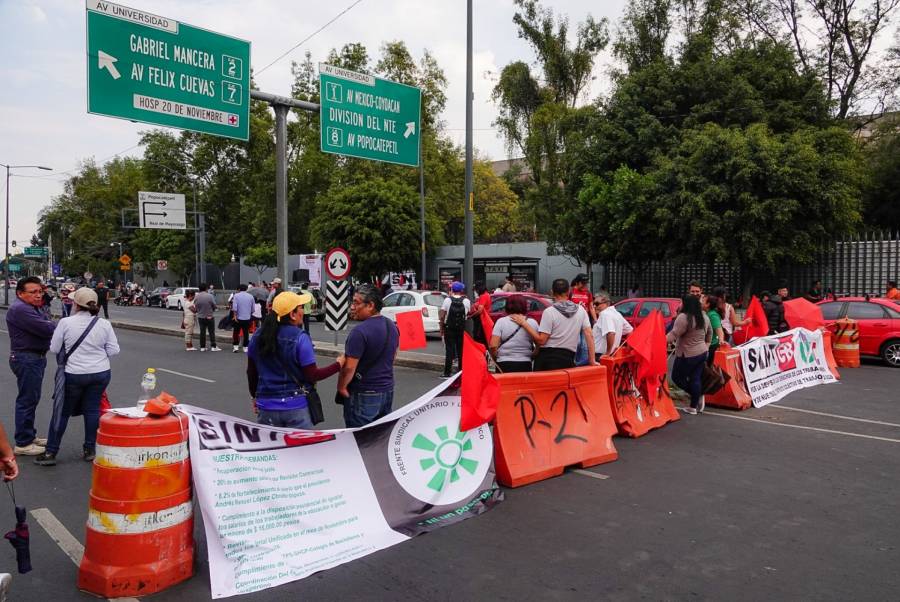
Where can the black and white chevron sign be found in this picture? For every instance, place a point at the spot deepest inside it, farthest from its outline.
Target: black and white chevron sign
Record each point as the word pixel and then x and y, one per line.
pixel 337 304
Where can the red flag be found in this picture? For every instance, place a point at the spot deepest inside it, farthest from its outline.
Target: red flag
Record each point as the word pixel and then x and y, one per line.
pixel 759 325
pixel 480 391
pixel 412 330
pixel 648 341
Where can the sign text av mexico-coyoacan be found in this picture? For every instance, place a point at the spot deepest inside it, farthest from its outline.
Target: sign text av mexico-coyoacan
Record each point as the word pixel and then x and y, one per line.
pixel 152 69
pixel 368 117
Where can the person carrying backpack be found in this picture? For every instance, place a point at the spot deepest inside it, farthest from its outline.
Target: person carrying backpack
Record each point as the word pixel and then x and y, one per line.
pixel 453 323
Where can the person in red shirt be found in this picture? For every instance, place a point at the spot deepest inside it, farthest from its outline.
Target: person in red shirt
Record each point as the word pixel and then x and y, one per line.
pixel 892 292
pixel 581 295
pixel 481 306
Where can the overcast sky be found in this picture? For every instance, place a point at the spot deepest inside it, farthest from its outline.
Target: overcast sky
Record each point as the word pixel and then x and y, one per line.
pixel 43 118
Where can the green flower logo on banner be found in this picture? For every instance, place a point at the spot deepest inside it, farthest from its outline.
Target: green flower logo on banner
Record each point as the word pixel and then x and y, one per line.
pixel 432 460
pixel 448 456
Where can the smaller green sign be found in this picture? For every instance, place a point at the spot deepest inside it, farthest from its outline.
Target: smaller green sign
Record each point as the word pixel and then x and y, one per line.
pixel 35 251
pixel 368 117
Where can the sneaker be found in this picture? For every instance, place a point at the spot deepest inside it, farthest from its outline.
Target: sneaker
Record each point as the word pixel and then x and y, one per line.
pixel 245 349
pixel 691 411
pixel 32 449
pixel 5 582
pixel 236 349
pixel 702 404
pixel 203 349
pixel 46 459
pixel 215 349
pixel 88 454
pixel 191 349
pixel 42 441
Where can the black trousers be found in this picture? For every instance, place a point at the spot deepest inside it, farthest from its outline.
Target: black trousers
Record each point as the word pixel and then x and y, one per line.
pixel 453 342
pixel 554 358
pixel 239 327
pixel 207 325
pixel 105 305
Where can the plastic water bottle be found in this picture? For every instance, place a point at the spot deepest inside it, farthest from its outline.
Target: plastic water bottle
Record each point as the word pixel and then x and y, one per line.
pixel 148 386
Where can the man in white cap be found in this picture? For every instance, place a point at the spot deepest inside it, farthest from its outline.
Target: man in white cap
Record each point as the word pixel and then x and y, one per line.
pixel 276 288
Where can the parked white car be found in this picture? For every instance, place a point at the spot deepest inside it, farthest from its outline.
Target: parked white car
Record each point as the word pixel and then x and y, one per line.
pixel 426 302
pixel 175 298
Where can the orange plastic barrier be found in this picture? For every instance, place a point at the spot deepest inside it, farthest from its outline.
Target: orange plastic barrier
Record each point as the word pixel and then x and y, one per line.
pixel 829 354
pixel 636 410
pixel 140 523
pixel 734 394
pixel 846 343
pixel 547 421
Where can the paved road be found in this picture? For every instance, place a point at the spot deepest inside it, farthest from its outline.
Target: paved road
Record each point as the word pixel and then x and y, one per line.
pixel 724 506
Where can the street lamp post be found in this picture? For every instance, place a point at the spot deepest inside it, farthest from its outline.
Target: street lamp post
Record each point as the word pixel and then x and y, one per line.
pixel 6 263
pixel 112 244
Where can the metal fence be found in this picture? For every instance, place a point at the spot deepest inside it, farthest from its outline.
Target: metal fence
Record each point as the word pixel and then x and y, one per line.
pixel 858 264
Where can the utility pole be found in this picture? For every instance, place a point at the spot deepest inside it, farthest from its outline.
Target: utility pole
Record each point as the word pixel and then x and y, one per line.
pixel 469 262
pixel 282 105
pixel 6 262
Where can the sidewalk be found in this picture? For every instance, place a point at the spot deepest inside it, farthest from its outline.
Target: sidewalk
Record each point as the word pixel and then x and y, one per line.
pixel 406 359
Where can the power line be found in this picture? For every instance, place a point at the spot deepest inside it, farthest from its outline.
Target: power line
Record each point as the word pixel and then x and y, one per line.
pixel 310 36
pixel 57 174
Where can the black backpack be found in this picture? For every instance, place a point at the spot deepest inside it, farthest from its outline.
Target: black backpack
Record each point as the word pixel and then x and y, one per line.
pixel 456 315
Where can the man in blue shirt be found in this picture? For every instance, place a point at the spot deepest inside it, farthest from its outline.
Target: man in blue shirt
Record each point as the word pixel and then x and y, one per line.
pixel 30 331
pixel 367 376
pixel 242 306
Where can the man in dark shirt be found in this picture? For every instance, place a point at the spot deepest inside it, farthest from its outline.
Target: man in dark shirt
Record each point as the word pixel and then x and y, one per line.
pixel 367 376
pixel 30 331
pixel 103 297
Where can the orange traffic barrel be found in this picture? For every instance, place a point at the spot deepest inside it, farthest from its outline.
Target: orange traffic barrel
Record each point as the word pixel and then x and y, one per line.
pixel 140 521
pixel 846 343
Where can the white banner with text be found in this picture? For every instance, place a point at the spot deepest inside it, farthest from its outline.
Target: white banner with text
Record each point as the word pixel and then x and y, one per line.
pixel 280 504
pixel 780 364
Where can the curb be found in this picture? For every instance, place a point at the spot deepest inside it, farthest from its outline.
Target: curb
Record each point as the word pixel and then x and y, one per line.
pixel 404 359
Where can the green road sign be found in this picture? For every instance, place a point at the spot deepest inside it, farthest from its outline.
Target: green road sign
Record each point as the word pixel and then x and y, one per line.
pixel 15 268
pixel 35 251
pixel 147 68
pixel 368 117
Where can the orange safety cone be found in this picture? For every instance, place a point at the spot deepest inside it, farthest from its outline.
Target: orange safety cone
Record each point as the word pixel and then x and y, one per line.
pixel 846 343
pixel 734 394
pixel 547 421
pixel 140 524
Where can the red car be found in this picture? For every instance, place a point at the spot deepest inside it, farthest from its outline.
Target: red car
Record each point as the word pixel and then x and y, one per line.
pixel 879 325
pixel 536 305
pixel 635 310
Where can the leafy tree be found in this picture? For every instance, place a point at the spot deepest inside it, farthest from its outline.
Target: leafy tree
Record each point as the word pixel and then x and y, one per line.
pixel 262 257
pixel 881 200
pixel 756 200
pixel 376 221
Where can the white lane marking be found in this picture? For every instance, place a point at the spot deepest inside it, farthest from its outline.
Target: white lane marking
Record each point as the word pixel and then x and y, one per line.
pixel 805 428
pixel 58 533
pixel 836 416
pixel 206 380
pixel 65 540
pixel 588 473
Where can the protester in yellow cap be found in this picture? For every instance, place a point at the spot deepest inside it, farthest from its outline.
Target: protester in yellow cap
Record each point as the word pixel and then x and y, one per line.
pixel 83 344
pixel 281 366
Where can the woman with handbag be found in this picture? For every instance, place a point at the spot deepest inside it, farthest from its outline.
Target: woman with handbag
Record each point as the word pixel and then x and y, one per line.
pixel 691 333
pixel 281 367
pixel 511 345
pixel 83 344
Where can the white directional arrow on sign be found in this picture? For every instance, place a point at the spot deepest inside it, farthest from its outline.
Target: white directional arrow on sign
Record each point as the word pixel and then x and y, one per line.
pixel 107 61
pixel 410 129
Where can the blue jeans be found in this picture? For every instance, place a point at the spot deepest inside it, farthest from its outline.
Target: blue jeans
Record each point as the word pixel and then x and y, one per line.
pixel 295 419
pixel 364 407
pixel 29 371
pixel 83 391
pixel 686 373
